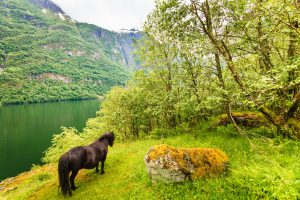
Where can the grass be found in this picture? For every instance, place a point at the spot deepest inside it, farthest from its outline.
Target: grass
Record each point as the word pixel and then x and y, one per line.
pixel 259 169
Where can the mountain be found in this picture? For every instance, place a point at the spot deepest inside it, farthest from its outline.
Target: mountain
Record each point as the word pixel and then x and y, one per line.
pixel 45 55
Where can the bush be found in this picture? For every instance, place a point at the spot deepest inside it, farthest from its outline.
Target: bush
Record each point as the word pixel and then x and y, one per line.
pixel 61 143
pixel 159 133
pixel 264 131
pixel 227 130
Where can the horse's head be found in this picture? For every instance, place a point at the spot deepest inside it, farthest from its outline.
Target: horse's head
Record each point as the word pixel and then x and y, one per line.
pixel 110 138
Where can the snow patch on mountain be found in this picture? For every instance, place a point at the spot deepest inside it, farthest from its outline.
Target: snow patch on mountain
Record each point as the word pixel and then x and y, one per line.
pixel 133 30
pixel 61 16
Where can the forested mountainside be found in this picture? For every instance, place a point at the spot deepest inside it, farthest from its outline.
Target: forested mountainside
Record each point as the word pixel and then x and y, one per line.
pixel 45 55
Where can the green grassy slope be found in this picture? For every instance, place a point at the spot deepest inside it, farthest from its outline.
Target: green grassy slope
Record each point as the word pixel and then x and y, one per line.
pixel 46 58
pixel 259 169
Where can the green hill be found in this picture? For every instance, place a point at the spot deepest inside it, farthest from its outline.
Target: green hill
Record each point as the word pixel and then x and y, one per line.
pixel 259 169
pixel 47 56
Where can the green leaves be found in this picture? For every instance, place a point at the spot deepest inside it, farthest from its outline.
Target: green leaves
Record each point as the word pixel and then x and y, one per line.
pixel 61 143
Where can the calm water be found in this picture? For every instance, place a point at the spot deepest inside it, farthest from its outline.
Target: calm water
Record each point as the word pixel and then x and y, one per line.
pixel 26 130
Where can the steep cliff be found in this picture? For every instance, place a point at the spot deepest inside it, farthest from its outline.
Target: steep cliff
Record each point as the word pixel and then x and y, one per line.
pixel 119 46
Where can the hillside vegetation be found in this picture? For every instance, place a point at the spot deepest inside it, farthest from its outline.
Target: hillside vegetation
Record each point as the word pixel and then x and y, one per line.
pixel 47 56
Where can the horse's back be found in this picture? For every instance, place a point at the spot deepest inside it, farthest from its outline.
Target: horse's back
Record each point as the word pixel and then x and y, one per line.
pixel 83 157
pixel 77 157
pixel 92 158
pixel 86 157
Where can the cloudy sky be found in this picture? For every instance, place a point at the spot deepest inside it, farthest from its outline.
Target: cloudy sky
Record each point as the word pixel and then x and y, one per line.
pixel 109 14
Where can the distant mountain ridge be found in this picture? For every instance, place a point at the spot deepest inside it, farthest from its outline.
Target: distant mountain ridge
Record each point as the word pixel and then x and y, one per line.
pixel 123 39
pixel 45 55
pixel 47 4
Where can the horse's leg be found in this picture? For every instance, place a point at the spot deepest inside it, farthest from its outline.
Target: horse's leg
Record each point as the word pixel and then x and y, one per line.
pixel 72 177
pixel 97 170
pixel 102 165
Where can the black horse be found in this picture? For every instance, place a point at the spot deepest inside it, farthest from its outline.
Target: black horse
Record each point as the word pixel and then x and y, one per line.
pixel 81 157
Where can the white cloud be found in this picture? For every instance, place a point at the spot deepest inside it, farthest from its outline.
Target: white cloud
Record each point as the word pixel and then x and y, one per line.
pixel 109 14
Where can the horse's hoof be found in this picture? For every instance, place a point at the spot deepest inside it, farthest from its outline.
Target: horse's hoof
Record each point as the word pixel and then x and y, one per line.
pixel 102 172
pixel 73 188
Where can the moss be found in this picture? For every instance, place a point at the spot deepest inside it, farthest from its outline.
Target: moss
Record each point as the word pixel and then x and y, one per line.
pixel 250 119
pixel 157 151
pixel 198 162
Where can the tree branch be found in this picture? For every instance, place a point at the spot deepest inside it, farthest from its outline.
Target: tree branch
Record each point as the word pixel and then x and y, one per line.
pixel 293 108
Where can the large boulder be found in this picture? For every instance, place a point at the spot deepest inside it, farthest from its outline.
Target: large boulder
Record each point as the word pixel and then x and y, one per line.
pixel 169 164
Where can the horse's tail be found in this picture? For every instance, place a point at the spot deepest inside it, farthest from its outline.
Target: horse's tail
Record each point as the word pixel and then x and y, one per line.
pixel 63 173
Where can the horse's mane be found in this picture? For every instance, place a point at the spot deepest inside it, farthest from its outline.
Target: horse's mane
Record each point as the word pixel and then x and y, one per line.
pixel 108 135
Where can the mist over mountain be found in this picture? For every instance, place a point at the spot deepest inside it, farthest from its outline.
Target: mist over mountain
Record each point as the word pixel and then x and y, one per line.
pixel 45 55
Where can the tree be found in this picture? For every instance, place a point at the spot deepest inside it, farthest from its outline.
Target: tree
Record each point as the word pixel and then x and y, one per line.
pixel 249 39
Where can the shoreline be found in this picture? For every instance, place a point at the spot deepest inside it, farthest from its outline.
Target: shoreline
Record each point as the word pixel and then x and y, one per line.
pixel 65 100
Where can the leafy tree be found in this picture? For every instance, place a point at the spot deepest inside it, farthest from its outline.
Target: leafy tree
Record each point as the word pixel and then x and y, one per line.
pixel 253 41
pixel 202 58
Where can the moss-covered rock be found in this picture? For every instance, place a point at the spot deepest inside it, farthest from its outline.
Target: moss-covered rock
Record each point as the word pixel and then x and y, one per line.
pixel 170 164
pixel 248 119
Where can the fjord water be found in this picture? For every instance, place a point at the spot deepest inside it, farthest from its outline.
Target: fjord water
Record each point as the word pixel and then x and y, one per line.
pixel 26 130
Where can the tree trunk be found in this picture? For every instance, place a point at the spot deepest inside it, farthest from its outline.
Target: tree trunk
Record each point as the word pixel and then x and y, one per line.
pixel 218 44
pixel 292 52
pixel 293 108
pixel 264 48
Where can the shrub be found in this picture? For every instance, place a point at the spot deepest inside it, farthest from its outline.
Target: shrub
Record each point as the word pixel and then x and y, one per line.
pixel 61 143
